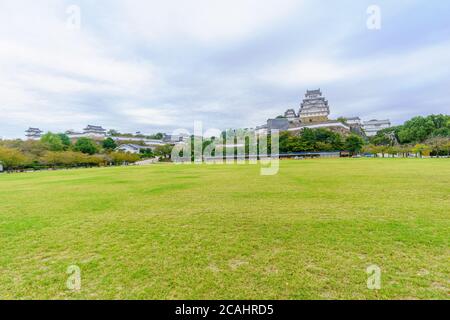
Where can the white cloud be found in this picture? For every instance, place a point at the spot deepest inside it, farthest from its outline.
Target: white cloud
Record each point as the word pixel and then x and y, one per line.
pixel 164 64
pixel 207 21
pixel 149 115
pixel 415 67
pixel 306 72
pixel 44 67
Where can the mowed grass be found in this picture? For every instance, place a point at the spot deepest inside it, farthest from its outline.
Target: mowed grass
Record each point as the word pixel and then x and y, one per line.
pixel 226 232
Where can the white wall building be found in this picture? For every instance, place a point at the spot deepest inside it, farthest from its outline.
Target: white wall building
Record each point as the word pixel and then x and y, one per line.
pixel 373 126
pixel 132 148
pixel 353 121
pixel 148 142
pixel 94 132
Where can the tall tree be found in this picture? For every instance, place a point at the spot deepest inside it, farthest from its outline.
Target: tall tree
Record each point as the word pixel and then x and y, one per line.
pixel 164 151
pixel 109 144
pixel 65 140
pixel 12 158
pixel 418 129
pixel 85 145
pixel 53 141
pixel 354 143
pixel 421 149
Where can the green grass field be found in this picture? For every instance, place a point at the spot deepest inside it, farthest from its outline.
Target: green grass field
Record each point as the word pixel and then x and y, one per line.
pixel 226 232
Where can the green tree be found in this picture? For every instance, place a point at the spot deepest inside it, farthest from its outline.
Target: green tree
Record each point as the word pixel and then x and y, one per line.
pixel 353 143
pixel 65 140
pixel 342 120
pixel 53 141
pixel 113 132
pixel 85 145
pixel 421 149
pixel 438 145
pixel 383 137
pixel 164 151
pixel 123 157
pixel 146 153
pixel 307 140
pixel 370 148
pixel 33 148
pixel 109 144
pixel 157 136
pixel 12 158
pixel 418 129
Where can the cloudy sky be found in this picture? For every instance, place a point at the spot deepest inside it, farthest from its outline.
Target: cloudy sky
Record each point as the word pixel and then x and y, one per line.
pixel 159 65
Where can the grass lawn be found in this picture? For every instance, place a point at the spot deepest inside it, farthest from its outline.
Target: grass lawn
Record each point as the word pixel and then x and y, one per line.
pixel 226 232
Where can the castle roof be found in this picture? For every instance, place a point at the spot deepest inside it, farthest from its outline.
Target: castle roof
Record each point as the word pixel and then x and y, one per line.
pixel 279 124
pixel 33 130
pixel 313 92
pixel 94 128
pixel 374 121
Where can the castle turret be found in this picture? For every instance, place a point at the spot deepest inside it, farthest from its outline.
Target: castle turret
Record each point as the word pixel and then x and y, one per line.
pixel 33 133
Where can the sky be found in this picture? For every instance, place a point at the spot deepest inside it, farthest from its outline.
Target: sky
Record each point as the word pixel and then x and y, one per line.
pixel 157 66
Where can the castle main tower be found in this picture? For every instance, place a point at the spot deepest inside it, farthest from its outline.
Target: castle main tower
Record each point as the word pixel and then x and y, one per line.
pixel 314 107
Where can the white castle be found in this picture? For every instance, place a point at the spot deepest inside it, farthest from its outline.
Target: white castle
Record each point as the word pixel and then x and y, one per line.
pixel 314 112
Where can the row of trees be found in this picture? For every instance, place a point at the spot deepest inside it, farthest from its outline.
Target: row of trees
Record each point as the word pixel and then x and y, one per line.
pixel 57 150
pixel 61 142
pixel 438 146
pixel 14 159
pixel 319 140
pixel 308 140
pixel 414 131
pixel 115 133
pixel 421 135
pixel 424 136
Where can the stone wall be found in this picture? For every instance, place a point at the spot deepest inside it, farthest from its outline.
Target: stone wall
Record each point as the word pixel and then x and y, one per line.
pixel 307 120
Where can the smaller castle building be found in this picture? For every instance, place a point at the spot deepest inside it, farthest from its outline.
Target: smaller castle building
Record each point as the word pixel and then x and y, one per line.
pixel 94 131
pixel 33 133
pixel 373 126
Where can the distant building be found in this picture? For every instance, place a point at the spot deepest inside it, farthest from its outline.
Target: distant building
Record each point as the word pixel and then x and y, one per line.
pixel 290 115
pixel 96 131
pixel 281 124
pixel 73 134
pixel 174 138
pixel 314 107
pixel 261 129
pixel 373 126
pixel 132 148
pixel 313 113
pixel 335 126
pixel 149 142
pixel 33 133
pixel 153 143
pixel 353 121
